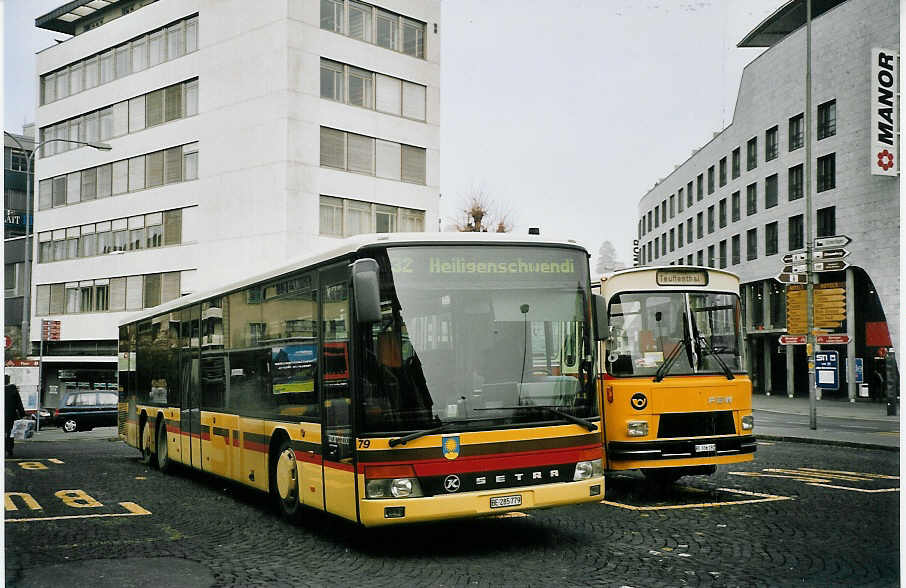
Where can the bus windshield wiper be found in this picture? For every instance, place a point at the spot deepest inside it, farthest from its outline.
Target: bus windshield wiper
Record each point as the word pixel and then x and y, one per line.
pixel 668 362
pixel 553 409
pixel 707 348
pixel 438 429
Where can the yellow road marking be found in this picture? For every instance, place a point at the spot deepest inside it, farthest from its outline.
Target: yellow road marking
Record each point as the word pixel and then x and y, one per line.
pixel 865 490
pixel 818 473
pixel 134 511
pixel 759 498
pixel 55 460
pixel 760 475
pixel 510 515
pixel 879 476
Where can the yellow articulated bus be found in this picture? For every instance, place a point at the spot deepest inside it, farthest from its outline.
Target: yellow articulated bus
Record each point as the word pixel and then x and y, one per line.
pixel 674 393
pixel 398 378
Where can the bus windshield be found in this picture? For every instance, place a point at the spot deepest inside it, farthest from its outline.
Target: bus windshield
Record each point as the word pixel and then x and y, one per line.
pixel 479 335
pixel 695 332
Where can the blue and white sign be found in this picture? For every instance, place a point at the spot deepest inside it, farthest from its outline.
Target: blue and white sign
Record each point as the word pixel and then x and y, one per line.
pixel 827 372
pixel 860 373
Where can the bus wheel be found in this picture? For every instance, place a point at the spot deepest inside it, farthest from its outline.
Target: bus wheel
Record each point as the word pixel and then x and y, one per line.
pixel 285 481
pixel 663 476
pixel 146 437
pixel 163 457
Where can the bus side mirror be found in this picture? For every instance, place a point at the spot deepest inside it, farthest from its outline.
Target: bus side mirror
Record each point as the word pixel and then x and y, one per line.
pixel 366 290
pixel 602 332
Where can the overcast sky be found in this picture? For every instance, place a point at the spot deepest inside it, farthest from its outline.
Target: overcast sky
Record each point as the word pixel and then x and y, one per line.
pixel 565 113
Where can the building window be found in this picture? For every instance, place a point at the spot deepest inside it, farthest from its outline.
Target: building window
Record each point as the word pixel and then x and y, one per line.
pixel 664 243
pixel 711 180
pixel 689 259
pixel 679 235
pixel 689 231
pixel 752 244
pixel 657 248
pixel 341 217
pixel 351 152
pixel 770 238
pixel 722 213
pixel 827 119
pixel 751 199
pixel 796 233
pixel 107 294
pixel 18 160
pixel 710 255
pixel 735 251
pixel 679 199
pixel 722 171
pixel 700 257
pixel 827 172
pixel 700 225
pixel 649 221
pixel 735 207
pixel 689 194
pixel 710 219
pixel 365 23
pixel 132 56
pixel 771 144
pixel 752 154
pixel 795 182
pixel 672 239
pixel 736 163
pixel 796 127
pixel 672 205
pixel 723 254
pixel 664 212
pixel 770 191
pixel 700 186
pixel 827 223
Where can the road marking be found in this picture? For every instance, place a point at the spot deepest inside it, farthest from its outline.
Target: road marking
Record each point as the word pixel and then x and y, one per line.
pixel 55 460
pixel 759 497
pixel 510 515
pixel 764 443
pixel 134 511
pixel 865 490
pixel 895 433
pixel 822 478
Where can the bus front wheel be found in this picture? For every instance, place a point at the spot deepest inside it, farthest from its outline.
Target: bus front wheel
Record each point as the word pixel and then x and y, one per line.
pixel 284 481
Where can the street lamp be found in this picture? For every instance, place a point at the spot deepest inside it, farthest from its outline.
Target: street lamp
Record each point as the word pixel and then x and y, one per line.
pixel 26 306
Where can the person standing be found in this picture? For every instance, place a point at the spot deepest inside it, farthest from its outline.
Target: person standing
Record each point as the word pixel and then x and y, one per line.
pixel 14 410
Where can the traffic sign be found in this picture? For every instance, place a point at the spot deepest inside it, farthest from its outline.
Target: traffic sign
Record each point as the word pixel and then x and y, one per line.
pixel 835 241
pixel 50 330
pixel 830 266
pixel 826 370
pixel 832 339
pixel 826 254
pixel 790 278
pixel 794 257
pixel 792 339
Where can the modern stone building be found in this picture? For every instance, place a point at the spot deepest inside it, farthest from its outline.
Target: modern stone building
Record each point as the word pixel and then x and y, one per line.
pixel 737 202
pixel 241 135
pixel 16 150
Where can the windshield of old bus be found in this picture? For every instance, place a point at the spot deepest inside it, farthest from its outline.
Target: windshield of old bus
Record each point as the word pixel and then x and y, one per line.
pixel 479 333
pixel 697 327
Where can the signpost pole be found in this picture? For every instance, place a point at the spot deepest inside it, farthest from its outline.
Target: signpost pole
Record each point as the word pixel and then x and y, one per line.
pixel 40 376
pixel 810 274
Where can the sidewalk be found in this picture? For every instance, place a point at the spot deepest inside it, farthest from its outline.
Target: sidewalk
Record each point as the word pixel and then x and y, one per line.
pixel 881 433
pixel 51 433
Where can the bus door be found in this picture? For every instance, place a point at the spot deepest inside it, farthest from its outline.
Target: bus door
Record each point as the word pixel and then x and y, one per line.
pixel 189 398
pixel 336 393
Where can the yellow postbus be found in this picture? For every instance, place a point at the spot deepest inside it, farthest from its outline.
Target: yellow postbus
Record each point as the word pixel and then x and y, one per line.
pixel 674 393
pixel 398 378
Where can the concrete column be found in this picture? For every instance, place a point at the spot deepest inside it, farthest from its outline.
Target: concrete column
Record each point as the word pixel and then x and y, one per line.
pixel 766 345
pixel 747 326
pixel 851 386
pixel 790 370
pixel 766 301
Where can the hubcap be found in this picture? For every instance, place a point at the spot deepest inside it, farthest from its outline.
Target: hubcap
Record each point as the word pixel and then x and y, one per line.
pixel 286 475
pixel 70 426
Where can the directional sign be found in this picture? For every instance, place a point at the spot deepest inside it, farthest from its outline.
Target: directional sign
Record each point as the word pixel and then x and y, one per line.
pixel 832 340
pixel 794 257
pixel 835 241
pixel 830 266
pixel 792 339
pixel 50 330
pixel 827 254
pixel 790 278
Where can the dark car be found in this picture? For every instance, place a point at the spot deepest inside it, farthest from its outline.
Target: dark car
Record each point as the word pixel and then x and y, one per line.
pixel 83 410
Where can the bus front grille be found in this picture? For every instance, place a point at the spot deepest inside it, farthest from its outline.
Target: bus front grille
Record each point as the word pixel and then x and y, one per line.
pixel 696 424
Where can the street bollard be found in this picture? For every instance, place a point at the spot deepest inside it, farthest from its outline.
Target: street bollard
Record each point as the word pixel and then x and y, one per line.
pixel 892 382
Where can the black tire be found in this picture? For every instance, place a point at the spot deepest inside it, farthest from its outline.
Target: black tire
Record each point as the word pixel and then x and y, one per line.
pixel 70 425
pixel 663 476
pixel 163 455
pixel 284 481
pixel 145 440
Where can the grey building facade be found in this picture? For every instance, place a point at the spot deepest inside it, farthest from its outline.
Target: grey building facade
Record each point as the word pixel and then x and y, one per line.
pixel 17 222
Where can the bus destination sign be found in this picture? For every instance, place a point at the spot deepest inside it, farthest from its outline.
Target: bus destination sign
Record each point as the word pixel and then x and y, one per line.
pixel 671 277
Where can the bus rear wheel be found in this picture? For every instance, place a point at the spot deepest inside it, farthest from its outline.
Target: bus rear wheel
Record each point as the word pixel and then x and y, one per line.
pixel 284 481
pixel 163 457
pixel 146 438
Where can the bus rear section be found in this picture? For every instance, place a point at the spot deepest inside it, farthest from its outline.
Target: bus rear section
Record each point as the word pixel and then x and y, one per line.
pixel 675 396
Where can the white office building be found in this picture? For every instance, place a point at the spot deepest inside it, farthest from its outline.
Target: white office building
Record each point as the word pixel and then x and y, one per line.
pixel 737 202
pixel 242 135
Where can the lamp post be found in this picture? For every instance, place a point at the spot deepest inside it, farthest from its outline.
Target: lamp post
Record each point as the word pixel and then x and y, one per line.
pixel 26 306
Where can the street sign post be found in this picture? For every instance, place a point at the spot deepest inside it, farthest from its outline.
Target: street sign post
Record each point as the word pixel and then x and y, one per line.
pixel 832 339
pixel 826 370
pixel 792 339
pixel 830 266
pixel 790 278
pixel 827 254
pixel 794 257
pixel 835 241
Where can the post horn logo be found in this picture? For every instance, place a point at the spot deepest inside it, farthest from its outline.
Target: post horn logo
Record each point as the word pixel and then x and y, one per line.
pixel 885 160
pixel 450 446
pixel 638 401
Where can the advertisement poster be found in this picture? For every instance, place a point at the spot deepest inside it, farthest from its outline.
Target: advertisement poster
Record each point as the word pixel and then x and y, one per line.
pixel 294 368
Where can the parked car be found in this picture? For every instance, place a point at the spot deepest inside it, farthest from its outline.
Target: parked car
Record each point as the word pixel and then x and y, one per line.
pixel 85 409
pixel 45 415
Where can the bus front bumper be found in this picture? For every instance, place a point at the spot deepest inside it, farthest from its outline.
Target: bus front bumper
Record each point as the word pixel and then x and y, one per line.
pixel 475 504
pixel 683 449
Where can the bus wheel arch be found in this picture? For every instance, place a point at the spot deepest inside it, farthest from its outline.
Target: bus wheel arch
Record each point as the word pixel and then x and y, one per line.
pixel 283 476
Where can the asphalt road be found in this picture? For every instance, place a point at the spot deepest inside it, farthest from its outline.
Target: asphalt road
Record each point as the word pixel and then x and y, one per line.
pixel 800 514
pixel 828 423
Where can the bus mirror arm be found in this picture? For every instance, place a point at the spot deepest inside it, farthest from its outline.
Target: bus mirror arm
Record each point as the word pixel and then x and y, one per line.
pixel 366 290
pixel 602 331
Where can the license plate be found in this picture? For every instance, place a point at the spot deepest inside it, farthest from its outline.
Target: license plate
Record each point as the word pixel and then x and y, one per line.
pixel 503 501
pixel 704 447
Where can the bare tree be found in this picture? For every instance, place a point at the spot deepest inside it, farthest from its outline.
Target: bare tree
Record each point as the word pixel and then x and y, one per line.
pixel 607 259
pixel 479 214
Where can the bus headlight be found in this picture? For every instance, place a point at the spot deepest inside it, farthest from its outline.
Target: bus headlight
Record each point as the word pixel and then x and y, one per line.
pixel 637 428
pixel 586 470
pixel 748 422
pixel 393 488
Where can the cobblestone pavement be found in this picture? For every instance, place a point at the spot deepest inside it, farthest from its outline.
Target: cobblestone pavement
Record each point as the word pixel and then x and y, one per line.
pixel 773 522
